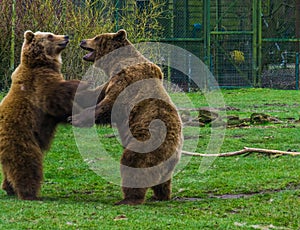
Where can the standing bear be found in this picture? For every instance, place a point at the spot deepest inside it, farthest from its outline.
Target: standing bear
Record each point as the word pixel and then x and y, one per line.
pixel 136 102
pixel 39 98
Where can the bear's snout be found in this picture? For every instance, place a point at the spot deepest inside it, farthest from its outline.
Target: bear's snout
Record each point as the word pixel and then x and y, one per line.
pixel 65 42
pixel 83 43
pixel 66 38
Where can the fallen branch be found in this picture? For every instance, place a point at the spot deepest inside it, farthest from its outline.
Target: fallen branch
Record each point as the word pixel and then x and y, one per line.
pixel 241 152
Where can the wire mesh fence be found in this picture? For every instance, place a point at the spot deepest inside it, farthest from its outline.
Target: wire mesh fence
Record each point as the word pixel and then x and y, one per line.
pixel 232 60
pixel 245 43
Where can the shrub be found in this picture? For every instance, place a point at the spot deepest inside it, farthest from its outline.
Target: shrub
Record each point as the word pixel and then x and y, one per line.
pixel 79 19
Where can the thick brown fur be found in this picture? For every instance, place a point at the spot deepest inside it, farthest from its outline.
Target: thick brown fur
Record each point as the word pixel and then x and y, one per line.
pixel 124 71
pixel 39 98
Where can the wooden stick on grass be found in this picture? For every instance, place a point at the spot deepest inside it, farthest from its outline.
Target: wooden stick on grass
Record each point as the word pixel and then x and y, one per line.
pixel 241 152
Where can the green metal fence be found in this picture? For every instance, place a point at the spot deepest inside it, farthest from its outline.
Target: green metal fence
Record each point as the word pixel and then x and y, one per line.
pixel 245 43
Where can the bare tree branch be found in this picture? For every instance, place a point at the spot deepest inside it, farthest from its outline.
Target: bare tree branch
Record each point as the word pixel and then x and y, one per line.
pixel 243 151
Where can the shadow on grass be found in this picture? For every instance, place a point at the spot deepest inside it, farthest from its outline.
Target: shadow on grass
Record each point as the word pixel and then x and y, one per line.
pixel 92 196
pixel 289 188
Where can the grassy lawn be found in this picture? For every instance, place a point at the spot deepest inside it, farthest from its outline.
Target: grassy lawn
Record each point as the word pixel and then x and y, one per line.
pixel 243 192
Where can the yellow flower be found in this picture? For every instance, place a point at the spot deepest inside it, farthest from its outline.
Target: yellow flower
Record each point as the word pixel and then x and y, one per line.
pixel 237 56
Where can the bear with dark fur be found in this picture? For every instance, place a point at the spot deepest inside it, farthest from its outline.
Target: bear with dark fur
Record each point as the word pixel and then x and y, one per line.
pixel 148 123
pixel 39 98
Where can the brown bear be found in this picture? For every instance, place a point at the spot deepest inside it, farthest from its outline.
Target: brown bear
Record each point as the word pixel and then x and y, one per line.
pixel 135 100
pixel 39 98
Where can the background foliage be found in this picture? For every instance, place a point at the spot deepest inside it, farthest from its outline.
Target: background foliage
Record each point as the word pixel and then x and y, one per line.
pixel 230 24
pixel 78 19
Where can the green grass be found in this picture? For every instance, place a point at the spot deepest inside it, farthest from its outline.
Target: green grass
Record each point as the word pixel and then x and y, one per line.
pixel 242 192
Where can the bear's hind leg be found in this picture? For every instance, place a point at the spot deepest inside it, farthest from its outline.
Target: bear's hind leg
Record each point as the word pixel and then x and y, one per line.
pixel 26 178
pixel 28 185
pixel 6 185
pixel 28 189
pixel 162 191
pixel 28 194
pixel 133 196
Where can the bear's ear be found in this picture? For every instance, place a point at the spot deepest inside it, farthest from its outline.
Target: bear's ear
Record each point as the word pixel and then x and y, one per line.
pixel 120 35
pixel 28 35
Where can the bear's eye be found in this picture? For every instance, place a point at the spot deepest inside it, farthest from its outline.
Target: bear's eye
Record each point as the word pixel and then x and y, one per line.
pixel 97 39
pixel 50 37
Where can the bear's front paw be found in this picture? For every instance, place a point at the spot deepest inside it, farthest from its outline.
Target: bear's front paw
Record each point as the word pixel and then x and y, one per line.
pixel 84 119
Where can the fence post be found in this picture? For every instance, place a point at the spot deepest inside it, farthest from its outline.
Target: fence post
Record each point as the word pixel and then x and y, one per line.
pixel 297 71
pixel 206 20
pixel 256 42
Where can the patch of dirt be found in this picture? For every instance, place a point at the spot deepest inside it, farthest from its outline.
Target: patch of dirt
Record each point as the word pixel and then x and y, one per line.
pixel 271 105
pixel 213 117
pixel 232 196
pixel 289 187
pixel 177 198
pixel 279 78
